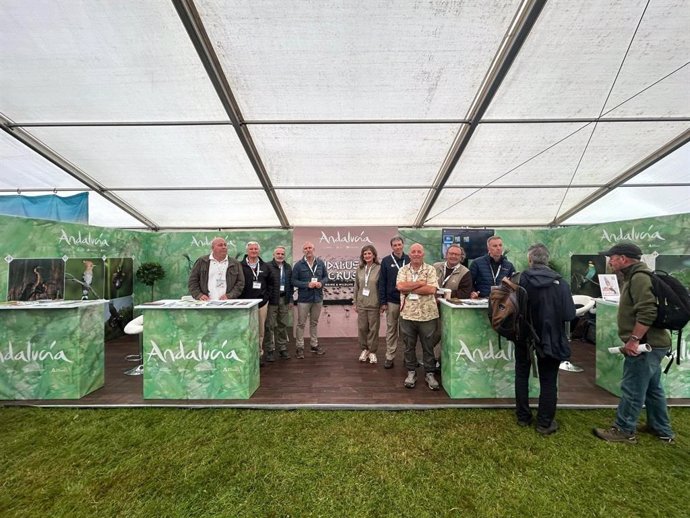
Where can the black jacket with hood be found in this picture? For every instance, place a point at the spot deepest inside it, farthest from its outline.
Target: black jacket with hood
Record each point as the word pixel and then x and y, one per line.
pixel 550 306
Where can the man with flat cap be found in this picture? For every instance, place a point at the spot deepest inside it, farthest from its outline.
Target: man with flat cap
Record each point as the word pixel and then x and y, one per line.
pixel 641 383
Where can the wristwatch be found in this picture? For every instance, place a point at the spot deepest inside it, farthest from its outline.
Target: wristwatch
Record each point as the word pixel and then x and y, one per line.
pixel 634 338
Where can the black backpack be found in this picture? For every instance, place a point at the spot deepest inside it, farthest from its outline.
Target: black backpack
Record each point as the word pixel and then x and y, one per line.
pixel 673 305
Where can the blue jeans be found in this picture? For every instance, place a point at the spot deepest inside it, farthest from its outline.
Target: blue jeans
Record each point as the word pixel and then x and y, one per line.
pixel 641 384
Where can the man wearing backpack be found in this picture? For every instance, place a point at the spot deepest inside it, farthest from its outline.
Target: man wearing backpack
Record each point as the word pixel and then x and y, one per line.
pixel 550 305
pixel 641 383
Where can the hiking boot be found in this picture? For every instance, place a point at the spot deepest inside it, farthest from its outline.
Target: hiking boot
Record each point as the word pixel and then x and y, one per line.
pixel 613 434
pixel 548 430
pixel 317 350
pixel 431 381
pixel 411 379
pixel 364 355
pixel 284 355
pixel 373 358
pixel 300 353
pixel 670 439
pixel 270 356
pixel 388 364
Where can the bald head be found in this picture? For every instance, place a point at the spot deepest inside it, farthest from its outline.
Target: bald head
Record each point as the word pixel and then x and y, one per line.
pixel 416 254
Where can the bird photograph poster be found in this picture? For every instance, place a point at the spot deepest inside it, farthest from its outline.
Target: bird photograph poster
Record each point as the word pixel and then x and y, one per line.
pixel 36 279
pixel 84 279
pixel 584 271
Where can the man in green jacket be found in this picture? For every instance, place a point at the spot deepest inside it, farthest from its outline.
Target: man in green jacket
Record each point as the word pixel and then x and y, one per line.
pixel 641 383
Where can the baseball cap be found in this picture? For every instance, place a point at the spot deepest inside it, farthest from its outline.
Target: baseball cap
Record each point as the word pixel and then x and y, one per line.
pixel 627 249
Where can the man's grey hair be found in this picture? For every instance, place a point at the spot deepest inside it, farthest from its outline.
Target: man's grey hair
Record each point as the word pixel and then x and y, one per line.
pixel 252 243
pixel 493 238
pixel 538 254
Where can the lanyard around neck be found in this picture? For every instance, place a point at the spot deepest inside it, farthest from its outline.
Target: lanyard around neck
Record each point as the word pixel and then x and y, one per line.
pixel 398 266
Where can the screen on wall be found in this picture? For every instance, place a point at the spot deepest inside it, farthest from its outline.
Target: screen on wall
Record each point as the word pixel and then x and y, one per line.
pixel 473 241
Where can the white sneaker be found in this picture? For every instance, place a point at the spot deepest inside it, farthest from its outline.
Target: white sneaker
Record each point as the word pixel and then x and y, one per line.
pixel 431 381
pixel 372 358
pixel 411 379
pixel 364 356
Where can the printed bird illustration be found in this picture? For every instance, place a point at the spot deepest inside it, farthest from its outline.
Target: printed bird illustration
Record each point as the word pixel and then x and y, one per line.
pixel 590 275
pixel 116 320
pixel 118 278
pixel 87 277
pixel 33 289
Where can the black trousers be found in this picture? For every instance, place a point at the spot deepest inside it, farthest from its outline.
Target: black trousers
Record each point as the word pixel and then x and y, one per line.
pixel 548 386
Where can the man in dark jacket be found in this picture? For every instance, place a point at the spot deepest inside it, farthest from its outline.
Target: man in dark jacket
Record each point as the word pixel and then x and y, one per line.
pixel 489 269
pixel 260 283
pixel 216 276
pixel 550 306
pixel 389 296
pixel 278 321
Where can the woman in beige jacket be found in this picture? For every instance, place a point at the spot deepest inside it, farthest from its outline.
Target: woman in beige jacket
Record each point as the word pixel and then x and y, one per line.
pixel 367 303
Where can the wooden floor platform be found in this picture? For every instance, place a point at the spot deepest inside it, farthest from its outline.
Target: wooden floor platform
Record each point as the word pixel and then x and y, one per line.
pixel 335 380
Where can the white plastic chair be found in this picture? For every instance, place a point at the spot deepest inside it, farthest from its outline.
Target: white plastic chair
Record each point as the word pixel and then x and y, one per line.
pixel 583 305
pixel 136 327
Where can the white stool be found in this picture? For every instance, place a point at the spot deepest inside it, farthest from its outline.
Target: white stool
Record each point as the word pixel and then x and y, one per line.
pixel 136 327
pixel 583 304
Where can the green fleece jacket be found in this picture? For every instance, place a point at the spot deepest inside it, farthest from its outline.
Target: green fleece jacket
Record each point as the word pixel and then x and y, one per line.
pixel 638 303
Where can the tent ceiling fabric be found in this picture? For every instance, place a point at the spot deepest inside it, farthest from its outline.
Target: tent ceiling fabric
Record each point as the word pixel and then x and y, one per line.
pixel 186 114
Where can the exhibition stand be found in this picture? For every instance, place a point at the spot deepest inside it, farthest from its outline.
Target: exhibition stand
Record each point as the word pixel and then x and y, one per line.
pixel 51 349
pixel 200 350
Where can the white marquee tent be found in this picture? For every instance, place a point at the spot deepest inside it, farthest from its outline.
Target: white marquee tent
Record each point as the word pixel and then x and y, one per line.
pixel 184 114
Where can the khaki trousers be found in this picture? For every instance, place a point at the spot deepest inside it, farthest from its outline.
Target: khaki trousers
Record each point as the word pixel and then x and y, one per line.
pixel 368 321
pixel 312 311
pixel 393 338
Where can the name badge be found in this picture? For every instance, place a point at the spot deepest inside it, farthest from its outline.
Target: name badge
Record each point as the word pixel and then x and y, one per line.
pixel 413 296
pixel 282 288
pixel 220 283
pixel 256 285
pixel 314 279
pixel 365 292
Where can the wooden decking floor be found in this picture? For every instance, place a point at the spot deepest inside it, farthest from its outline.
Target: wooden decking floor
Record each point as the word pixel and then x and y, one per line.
pixel 333 381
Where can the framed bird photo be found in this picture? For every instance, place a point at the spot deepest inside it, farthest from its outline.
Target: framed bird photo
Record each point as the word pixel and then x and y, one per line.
pixel 609 287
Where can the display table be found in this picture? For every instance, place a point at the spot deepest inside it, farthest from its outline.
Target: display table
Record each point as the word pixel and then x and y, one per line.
pixel 472 365
pixel 51 349
pixel 201 350
pixel 609 370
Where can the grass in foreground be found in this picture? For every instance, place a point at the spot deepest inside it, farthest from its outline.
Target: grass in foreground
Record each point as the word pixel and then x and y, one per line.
pixel 218 462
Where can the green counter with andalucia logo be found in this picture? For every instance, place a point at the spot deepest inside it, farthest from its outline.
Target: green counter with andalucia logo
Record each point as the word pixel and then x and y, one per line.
pixel 51 349
pixel 201 350
pixel 472 364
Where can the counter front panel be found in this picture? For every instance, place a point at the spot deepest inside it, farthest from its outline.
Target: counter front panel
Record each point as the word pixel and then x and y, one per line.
pixel 203 352
pixel 51 350
pixel 472 364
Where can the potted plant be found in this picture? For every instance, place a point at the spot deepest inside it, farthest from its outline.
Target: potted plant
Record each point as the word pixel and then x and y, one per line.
pixel 149 273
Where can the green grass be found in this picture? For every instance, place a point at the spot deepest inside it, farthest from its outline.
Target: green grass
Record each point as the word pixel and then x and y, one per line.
pixel 464 463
